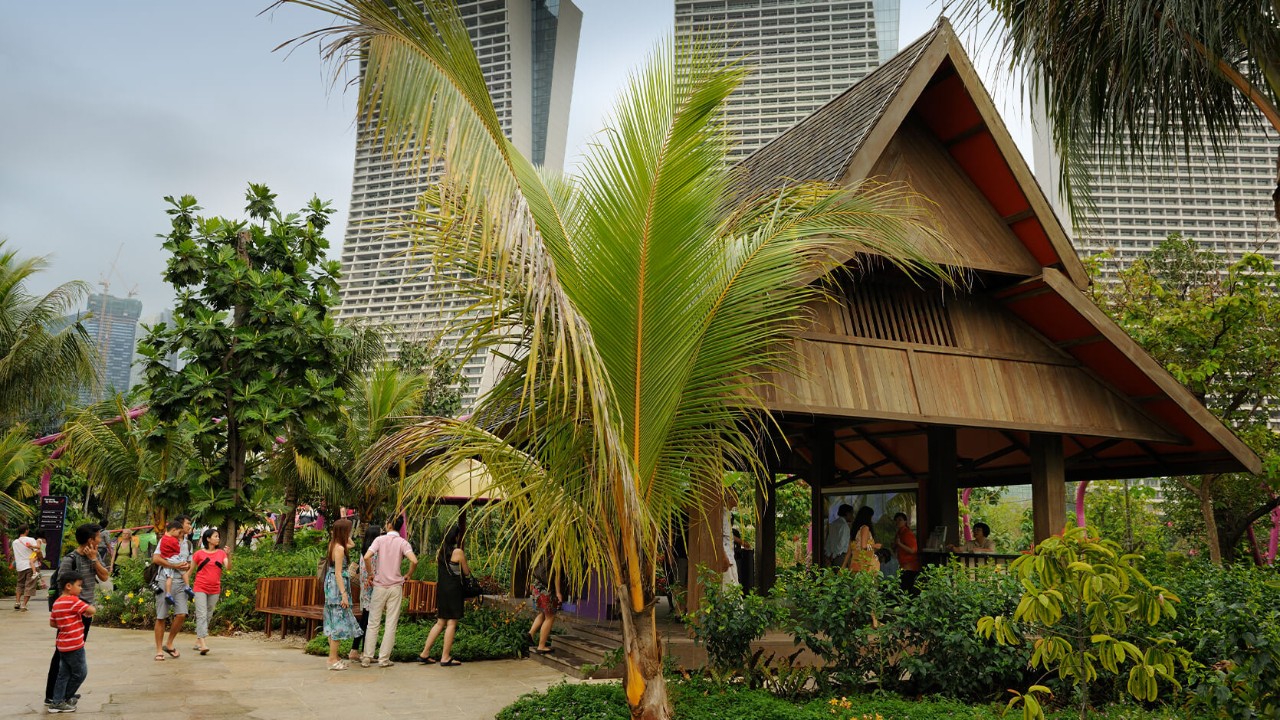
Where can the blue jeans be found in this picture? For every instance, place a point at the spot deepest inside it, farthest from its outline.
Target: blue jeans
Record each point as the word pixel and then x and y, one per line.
pixel 73 668
pixel 55 663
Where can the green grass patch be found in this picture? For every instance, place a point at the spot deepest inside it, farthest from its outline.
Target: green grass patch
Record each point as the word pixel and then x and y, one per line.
pixel 484 633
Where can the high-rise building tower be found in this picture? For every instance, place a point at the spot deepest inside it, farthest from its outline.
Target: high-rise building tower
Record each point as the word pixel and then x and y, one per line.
pixel 112 325
pixel 528 50
pixel 802 54
pixel 1221 200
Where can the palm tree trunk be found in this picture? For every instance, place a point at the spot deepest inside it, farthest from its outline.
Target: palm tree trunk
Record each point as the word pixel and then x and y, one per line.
pixel 285 536
pixel 645 687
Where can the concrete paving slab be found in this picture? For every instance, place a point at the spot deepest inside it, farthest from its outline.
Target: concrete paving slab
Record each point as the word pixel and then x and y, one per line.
pixel 247 677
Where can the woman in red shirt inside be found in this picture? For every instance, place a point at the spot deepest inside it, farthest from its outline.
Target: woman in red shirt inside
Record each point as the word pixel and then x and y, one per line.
pixel 210 561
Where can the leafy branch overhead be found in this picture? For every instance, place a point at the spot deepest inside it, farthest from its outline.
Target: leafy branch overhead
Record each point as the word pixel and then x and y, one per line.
pixel 261 357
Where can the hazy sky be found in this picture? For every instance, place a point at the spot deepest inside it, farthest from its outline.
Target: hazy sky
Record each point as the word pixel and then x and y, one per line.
pixel 106 107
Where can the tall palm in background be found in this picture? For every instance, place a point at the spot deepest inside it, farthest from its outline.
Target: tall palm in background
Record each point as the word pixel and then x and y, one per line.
pixel 380 403
pixel 639 304
pixel 20 462
pixel 1139 78
pixel 132 463
pixel 43 360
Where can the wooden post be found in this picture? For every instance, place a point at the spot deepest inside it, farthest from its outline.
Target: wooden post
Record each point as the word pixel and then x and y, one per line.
pixel 824 463
pixel 1048 485
pixel 942 504
pixel 766 533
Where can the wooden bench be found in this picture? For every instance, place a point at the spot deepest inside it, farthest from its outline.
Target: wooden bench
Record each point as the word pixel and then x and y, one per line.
pixel 303 598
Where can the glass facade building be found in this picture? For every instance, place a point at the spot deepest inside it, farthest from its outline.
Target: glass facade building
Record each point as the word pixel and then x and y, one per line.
pixel 527 51
pixel 802 54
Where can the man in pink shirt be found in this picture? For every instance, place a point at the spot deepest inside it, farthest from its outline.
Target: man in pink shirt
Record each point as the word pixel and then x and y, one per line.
pixel 388 589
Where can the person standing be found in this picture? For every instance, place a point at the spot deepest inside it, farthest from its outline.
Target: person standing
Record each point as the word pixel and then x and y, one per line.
pixel 862 549
pixel 210 562
pixel 371 532
pixel 26 561
pixel 388 589
pixel 339 622
pixel 70 616
pixel 836 544
pixel 175 612
pixel 547 589
pixel 82 562
pixel 124 550
pixel 451 566
pixel 908 552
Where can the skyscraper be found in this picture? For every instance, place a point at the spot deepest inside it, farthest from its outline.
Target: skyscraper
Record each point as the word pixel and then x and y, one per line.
pixel 112 325
pixel 528 51
pixel 802 53
pixel 1223 201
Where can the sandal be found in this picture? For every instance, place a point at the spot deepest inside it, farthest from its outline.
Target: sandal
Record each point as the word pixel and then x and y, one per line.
pixel 428 660
pixel 449 663
pixel 340 665
pixel 204 651
pixel 540 651
pixel 159 657
pixel 173 652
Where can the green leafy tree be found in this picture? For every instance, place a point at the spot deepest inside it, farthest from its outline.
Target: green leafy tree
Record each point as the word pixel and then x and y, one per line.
pixel 380 403
pixel 639 305
pixel 263 357
pixel 1085 605
pixel 43 359
pixel 442 396
pixel 1125 513
pixel 1216 328
pixel 1142 79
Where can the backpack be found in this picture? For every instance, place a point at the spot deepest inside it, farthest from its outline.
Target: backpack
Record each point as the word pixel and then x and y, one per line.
pixel 150 577
pixel 54 590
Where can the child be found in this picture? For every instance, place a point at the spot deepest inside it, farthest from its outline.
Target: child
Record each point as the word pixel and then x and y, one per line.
pixel 171 550
pixel 68 616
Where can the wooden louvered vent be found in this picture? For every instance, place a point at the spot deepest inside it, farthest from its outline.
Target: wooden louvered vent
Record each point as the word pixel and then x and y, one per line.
pixel 899 313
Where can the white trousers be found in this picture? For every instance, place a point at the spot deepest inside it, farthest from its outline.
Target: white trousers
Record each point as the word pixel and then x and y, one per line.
pixel 385 599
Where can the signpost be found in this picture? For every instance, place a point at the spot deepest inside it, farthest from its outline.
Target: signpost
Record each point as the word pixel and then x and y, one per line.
pixel 53 517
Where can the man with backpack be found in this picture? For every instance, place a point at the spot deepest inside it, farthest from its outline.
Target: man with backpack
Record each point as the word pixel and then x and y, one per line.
pixel 84 563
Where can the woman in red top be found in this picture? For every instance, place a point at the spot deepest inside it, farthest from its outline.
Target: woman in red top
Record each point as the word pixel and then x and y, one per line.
pixel 210 561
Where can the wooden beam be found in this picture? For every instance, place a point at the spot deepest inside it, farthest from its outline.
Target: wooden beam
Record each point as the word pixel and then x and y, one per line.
pixel 766 532
pixel 824 449
pixel 1048 485
pixel 1089 452
pixel 941 502
pixel 1019 216
pixel 1086 340
pixel 964 134
pixel 977 463
pixel 880 448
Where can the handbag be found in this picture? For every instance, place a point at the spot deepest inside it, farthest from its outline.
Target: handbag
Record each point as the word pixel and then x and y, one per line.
pixel 470 587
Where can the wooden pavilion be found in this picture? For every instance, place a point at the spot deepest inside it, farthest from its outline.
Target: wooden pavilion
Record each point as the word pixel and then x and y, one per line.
pixel 1013 376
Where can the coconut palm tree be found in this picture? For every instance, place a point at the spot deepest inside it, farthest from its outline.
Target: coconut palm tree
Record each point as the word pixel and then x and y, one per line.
pixel 377 405
pixel 1137 77
pixel 640 305
pixel 43 359
pixel 20 462
pixel 131 459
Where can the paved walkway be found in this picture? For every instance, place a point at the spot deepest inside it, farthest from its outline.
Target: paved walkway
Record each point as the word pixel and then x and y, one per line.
pixel 246 677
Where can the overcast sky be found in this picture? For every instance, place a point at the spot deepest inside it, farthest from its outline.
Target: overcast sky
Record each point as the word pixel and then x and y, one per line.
pixel 109 106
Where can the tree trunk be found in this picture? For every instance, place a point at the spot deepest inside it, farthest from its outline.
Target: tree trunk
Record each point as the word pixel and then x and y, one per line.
pixel 1253 547
pixel 1210 523
pixel 645 687
pixel 285 535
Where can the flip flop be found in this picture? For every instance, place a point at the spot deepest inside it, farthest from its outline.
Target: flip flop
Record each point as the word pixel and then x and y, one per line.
pixel 450 663
pixel 204 651
pixel 548 651
pixel 426 660
pixel 173 652
pixel 159 657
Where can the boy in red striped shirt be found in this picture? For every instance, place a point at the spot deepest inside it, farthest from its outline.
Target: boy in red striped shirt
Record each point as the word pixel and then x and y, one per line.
pixel 67 615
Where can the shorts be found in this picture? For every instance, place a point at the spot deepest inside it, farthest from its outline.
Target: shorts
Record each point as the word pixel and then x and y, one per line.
pixel 28 582
pixel 179 607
